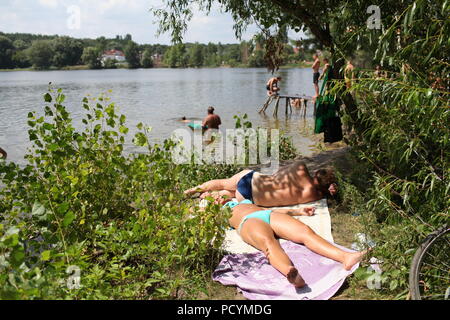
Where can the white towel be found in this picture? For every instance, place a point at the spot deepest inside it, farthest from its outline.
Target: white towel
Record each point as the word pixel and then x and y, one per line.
pixel 320 223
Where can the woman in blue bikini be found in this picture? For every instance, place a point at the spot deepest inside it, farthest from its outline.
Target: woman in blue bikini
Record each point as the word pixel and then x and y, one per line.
pixel 259 227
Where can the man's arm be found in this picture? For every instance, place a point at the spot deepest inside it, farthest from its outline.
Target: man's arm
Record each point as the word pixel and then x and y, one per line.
pixel 307 211
pixel 315 64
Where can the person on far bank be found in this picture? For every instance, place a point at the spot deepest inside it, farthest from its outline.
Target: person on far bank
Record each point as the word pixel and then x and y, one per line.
pixel 272 86
pixel 316 74
pixel 212 121
pixel 3 154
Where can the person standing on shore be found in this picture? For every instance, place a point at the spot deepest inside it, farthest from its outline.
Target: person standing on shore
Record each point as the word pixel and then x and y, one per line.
pixel 316 73
pixel 3 154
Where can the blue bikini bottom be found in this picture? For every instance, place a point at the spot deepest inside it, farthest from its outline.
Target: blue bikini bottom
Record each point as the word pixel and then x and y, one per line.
pixel 263 215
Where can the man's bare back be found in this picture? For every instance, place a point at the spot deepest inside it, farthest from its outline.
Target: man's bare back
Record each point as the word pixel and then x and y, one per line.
pixel 288 186
pixel 212 121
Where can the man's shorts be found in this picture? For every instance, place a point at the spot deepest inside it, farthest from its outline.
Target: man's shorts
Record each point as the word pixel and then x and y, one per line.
pixel 316 76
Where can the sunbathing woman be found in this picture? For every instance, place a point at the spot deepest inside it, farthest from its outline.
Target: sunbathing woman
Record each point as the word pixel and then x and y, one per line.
pixel 288 186
pixel 258 227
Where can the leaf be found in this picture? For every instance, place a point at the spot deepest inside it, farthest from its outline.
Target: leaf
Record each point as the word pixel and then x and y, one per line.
pixel 17 256
pixel 393 285
pixel 38 209
pixel 68 218
pixel 63 207
pixel 45 255
pixel 48 97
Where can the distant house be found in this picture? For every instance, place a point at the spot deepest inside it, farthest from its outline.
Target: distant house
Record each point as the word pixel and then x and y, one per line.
pixel 117 55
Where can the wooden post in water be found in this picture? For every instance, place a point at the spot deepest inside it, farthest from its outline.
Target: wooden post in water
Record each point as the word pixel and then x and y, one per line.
pixel 275 112
pixel 266 104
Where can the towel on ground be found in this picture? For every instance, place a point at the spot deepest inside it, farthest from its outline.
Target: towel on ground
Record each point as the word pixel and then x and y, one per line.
pixel 249 270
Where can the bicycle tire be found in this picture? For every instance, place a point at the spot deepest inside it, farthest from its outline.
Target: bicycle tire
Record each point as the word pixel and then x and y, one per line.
pixel 414 284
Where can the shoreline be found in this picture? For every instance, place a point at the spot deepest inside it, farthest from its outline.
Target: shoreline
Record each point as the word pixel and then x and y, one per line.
pixel 85 67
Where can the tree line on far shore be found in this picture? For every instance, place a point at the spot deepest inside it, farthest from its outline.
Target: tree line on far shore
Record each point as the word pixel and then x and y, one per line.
pixel 41 52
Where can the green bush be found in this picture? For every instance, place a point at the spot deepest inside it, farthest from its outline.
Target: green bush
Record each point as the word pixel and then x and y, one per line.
pixel 121 218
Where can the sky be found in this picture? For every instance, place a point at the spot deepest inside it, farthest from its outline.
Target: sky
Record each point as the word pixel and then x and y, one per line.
pixel 95 18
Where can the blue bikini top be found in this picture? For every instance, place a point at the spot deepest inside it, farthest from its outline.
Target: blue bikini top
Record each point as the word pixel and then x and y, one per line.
pixel 232 204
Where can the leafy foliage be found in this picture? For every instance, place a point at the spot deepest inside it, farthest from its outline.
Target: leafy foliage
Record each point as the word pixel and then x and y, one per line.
pixel 121 218
pixel 407 140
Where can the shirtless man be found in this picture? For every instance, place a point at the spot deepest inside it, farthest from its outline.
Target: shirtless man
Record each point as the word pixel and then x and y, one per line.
pixel 316 74
pixel 290 185
pixel 3 154
pixel 272 86
pixel 212 121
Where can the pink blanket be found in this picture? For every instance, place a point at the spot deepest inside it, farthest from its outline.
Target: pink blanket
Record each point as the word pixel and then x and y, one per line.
pixel 258 280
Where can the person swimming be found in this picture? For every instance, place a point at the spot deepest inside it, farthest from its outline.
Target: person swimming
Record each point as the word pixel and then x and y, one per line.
pixel 184 120
pixel 3 154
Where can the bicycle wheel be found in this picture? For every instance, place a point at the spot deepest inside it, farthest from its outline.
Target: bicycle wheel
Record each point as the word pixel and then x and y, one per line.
pixel 429 276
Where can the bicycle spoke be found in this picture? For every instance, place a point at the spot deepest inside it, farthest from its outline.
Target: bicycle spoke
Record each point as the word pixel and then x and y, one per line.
pixel 433 295
pixel 435 258
pixel 435 276
pixel 435 266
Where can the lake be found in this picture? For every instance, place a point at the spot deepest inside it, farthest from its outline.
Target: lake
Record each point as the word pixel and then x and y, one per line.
pixel 156 97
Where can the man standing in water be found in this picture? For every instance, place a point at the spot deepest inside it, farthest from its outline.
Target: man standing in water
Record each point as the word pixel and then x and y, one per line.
pixel 212 121
pixel 316 73
pixel 3 154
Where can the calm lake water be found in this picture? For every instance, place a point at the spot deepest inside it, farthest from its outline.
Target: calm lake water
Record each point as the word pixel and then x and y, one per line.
pixel 156 97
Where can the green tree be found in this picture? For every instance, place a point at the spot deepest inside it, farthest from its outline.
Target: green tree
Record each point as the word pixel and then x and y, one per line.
pixel 91 57
pixel 132 55
pixel 196 55
pixel 147 61
pixel 256 59
pixel 6 53
pixel 20 59
pixel 40 54
pixel 67 51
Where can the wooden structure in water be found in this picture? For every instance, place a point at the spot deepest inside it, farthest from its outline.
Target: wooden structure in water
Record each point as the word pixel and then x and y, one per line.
pixel 303 104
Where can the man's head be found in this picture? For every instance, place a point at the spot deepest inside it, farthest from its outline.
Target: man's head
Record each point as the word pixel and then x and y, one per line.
pixel 325 181
pixel 211 110
pixel 315 56
pixel 325 60
pixel 279 78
